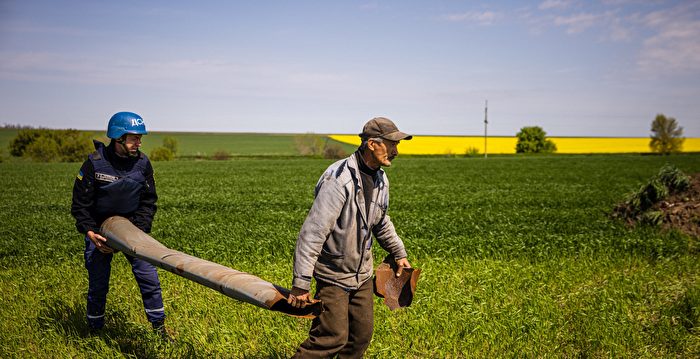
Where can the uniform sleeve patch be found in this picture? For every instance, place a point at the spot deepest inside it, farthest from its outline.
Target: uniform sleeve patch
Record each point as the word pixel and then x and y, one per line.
pixel 80 175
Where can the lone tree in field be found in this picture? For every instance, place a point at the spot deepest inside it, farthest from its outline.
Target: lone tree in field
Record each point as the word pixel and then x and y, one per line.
pixel 533 139
pixel 666 135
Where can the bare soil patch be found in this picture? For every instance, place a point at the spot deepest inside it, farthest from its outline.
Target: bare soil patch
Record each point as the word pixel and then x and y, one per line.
pixel 682 210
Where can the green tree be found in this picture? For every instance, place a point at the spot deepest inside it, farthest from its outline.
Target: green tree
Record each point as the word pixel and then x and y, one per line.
pixel 533 139
pixel 170 143
pixel 666 135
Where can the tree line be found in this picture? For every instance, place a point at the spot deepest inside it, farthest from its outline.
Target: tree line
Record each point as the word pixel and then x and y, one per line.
pixel 666 138
pixel 46 145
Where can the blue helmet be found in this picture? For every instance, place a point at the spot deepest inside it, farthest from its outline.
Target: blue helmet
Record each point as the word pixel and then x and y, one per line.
pixel 123 123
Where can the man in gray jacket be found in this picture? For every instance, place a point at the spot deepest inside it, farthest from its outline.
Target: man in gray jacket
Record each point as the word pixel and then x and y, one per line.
pixel 335 245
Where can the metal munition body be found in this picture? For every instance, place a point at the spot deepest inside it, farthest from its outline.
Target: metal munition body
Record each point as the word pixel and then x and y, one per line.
pixel 124 236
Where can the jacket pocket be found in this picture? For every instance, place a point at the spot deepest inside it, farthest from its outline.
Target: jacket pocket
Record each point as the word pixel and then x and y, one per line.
pixel 329 255
pixel 332 260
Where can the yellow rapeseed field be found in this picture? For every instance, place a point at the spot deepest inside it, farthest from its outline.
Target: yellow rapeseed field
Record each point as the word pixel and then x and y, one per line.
pixel 460 145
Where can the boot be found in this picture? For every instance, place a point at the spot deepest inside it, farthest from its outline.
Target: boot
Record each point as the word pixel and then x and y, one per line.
pixel 159 328
pixel 95 331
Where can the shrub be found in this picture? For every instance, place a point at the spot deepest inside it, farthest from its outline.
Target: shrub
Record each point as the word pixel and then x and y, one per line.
pixel 52 145
pixel 221 155
pixel 43 149
pixel 533 140
pixel 23 139
pixel 471 152
pixel 170 143
pixel 334 151
pixel 73 145
pixel 161 154
pixel 309 144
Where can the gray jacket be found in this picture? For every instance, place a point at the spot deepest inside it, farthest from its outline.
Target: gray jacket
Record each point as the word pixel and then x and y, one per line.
pixel 335 242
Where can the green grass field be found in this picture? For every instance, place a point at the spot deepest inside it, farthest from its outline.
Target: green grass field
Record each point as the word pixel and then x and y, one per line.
pixel 204 145
pixel 519 259
pixel 6 136
pixel 237 144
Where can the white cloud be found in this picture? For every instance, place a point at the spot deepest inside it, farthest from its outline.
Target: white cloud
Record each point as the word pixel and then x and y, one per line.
pixel 618 31
pixel 20 27
pixel 481 18
pixel 578 23
pixel 201 76
pixel 554 4
pixel 630 2
pixel 369 6
pixel 609 25
pixel 40 66
pixel 671 42
pixel 674 46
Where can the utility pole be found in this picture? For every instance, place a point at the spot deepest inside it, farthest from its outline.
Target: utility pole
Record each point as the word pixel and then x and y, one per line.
pixel 486 123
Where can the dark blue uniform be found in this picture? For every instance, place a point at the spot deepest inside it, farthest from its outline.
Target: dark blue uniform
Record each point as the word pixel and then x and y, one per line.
pixel 109 185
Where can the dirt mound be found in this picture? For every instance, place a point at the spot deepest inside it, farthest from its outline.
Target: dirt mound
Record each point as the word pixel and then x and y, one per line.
pixel 682 210
pixel 670 199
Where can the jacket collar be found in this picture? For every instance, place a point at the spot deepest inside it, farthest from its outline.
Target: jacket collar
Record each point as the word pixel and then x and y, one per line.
pixel 355 172
pixel 354 169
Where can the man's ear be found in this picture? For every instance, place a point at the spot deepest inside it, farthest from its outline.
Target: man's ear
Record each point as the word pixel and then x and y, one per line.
pixel 370 144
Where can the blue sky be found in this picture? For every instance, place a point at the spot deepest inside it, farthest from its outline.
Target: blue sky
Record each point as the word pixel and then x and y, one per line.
pixel 576 68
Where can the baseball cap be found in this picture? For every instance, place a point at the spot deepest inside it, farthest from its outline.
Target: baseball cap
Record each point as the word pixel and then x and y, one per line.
pixel 382 127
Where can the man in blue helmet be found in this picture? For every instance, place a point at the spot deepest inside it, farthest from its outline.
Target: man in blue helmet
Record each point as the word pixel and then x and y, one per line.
pixel 117 179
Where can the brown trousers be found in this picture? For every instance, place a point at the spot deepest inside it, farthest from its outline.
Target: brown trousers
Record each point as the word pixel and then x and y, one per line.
pixel 345 326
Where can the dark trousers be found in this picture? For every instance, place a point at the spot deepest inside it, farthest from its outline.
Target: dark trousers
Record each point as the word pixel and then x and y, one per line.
pixel 99 266
pixel 345 326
